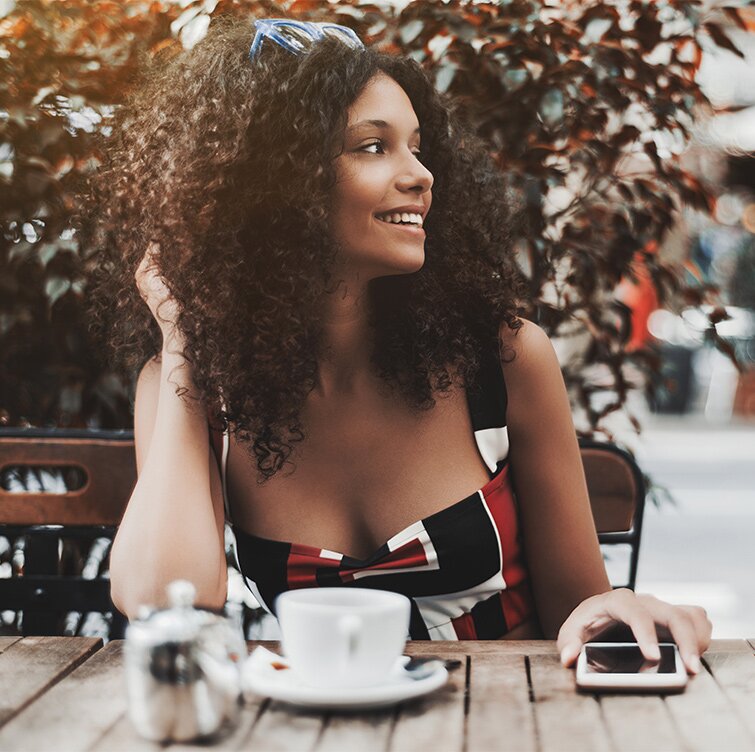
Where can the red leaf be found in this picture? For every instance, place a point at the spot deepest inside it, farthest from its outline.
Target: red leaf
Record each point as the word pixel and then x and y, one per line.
pixel 733 14
pixel 720 38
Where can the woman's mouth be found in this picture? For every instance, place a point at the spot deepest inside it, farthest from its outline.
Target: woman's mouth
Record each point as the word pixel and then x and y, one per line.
pixel 406 221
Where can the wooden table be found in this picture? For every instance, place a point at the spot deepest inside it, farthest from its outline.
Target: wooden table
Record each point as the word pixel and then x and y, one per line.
pixel 67 693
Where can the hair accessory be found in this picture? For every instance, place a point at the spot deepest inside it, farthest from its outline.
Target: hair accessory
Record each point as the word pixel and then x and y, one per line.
pixel 297 36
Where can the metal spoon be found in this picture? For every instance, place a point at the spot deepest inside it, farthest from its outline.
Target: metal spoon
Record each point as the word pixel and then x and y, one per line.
pixel 422 667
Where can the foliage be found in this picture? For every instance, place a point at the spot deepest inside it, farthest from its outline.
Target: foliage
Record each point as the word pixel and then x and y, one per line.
pixel 586 107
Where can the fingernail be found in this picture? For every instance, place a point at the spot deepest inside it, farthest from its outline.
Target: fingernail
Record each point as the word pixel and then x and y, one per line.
pixel 654 653
pixel 694 664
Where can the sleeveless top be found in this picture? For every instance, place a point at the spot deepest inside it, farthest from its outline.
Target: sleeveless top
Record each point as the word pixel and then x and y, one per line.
pixel 462 568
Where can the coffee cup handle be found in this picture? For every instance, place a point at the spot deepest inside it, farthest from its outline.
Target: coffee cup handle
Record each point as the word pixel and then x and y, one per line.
pixel 350 626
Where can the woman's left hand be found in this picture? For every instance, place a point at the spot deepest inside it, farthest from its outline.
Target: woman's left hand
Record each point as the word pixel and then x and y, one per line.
pixel 688 626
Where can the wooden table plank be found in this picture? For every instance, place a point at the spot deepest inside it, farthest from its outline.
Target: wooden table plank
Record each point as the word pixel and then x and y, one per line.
pixel 368 731
pixel 508 695
pixel 282 728
pixel 564 719
pixel 456 649
pixel 705 718
pixel 500 714
pixel 638 722
pixel 735 674
pixel 122 737
pixel 96 685
pixel 6 642
pixel 731 646
pixel 435 721
pixel 32 665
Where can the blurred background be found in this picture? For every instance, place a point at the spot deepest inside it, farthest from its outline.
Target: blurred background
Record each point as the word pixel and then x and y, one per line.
pixel 626 132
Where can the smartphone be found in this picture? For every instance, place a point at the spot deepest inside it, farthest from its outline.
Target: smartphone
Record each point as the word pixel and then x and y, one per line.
pixel 621 667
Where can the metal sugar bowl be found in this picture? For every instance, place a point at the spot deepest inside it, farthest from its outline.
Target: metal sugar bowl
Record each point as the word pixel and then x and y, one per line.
pixel 183 669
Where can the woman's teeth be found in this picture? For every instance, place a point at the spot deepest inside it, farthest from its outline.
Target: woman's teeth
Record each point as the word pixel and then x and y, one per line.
pixel 402 218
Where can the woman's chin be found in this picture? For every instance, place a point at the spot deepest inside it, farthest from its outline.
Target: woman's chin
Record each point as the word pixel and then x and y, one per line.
pixel 408 263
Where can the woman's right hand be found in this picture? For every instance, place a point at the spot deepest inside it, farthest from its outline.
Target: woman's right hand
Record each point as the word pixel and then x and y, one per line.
pixel 157 296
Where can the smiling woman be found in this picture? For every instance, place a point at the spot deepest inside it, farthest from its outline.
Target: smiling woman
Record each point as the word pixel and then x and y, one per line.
pixel 325 319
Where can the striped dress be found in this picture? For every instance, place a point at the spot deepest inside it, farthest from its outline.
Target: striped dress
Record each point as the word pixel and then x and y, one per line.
pixel 462 567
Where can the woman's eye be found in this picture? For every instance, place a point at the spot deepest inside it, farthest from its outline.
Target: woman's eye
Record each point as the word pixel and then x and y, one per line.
pixel 377 145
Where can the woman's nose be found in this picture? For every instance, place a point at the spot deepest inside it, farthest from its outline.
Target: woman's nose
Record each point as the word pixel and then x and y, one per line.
pixel 416 177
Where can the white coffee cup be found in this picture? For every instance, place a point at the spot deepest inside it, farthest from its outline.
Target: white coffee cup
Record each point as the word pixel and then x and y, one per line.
pixel 344 637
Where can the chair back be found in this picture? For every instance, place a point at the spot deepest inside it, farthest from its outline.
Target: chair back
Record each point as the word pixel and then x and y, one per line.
pixel 616 488
pixel 60 485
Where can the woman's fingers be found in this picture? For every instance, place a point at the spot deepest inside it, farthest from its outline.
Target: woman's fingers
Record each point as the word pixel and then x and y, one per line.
pixel 626 607
pixel 689 627
pixel 597 613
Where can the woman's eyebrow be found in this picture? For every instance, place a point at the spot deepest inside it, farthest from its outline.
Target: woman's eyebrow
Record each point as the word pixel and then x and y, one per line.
pixel 376 123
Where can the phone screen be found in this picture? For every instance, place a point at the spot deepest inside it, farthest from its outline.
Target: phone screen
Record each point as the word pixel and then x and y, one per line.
pixel 628 659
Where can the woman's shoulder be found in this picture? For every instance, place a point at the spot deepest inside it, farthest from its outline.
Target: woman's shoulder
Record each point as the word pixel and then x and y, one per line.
pixel 525 349
pixel 532 372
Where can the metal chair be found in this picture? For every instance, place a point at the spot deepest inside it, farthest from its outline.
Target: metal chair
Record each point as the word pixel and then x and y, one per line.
pixel 616 488
pixel 94 473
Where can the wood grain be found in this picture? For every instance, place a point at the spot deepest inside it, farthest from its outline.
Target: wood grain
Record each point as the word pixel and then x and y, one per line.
pixel 65 693
pixel 97 685
pixel 481 647
pixel 368 731
pixel 31 666
pixel 6 642
pixel 636 723
pixel 564 719
pixel 282 728
pixel 735 674
pixel 436 721
pixel 500 713
pixel 705 718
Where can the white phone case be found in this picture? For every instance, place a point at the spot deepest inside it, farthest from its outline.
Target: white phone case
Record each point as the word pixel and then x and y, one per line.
pixel 634 682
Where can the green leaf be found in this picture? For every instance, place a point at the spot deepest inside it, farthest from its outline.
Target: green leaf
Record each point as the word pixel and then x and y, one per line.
pixel 47 252
pixel 515 78
pixel 411 31
pixel 444 77
pixel 55 288
pixel 21 250
pixel 552 107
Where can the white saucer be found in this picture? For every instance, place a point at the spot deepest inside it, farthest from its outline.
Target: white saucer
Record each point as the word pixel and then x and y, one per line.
pixel 260 677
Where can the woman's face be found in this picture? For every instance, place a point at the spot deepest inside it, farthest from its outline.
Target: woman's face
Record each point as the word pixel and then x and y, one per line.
pixel 383 191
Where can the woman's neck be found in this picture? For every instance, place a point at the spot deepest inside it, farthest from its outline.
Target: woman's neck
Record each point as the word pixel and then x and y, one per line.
pixel 345 364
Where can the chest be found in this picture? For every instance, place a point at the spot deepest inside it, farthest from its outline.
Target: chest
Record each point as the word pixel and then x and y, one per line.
pixel 366 469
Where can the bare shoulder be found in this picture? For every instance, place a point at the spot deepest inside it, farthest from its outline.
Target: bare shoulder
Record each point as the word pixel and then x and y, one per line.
pixel 534 382
pixel 527 353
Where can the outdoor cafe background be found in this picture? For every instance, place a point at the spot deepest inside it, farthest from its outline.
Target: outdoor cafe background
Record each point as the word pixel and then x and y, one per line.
pixel 626 131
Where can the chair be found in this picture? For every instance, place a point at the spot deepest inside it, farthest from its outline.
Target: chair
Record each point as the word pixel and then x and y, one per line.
pixel 100 474
pixel 616 488
pixel 92 474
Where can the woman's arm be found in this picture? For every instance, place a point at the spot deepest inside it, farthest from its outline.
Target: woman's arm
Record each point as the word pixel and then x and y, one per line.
pixel 174 523
pixel 560 542
pixel 572 593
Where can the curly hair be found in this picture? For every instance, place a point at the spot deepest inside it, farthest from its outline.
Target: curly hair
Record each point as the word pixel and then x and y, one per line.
pixel 228 167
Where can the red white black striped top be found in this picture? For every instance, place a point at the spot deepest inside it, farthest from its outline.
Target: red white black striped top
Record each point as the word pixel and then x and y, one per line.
pixel 462 567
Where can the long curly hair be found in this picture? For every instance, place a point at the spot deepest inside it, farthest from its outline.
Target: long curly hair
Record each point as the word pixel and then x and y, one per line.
pixel 228 167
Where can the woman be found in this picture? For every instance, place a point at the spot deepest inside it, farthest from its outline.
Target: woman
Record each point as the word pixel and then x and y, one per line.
pixel 333 353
